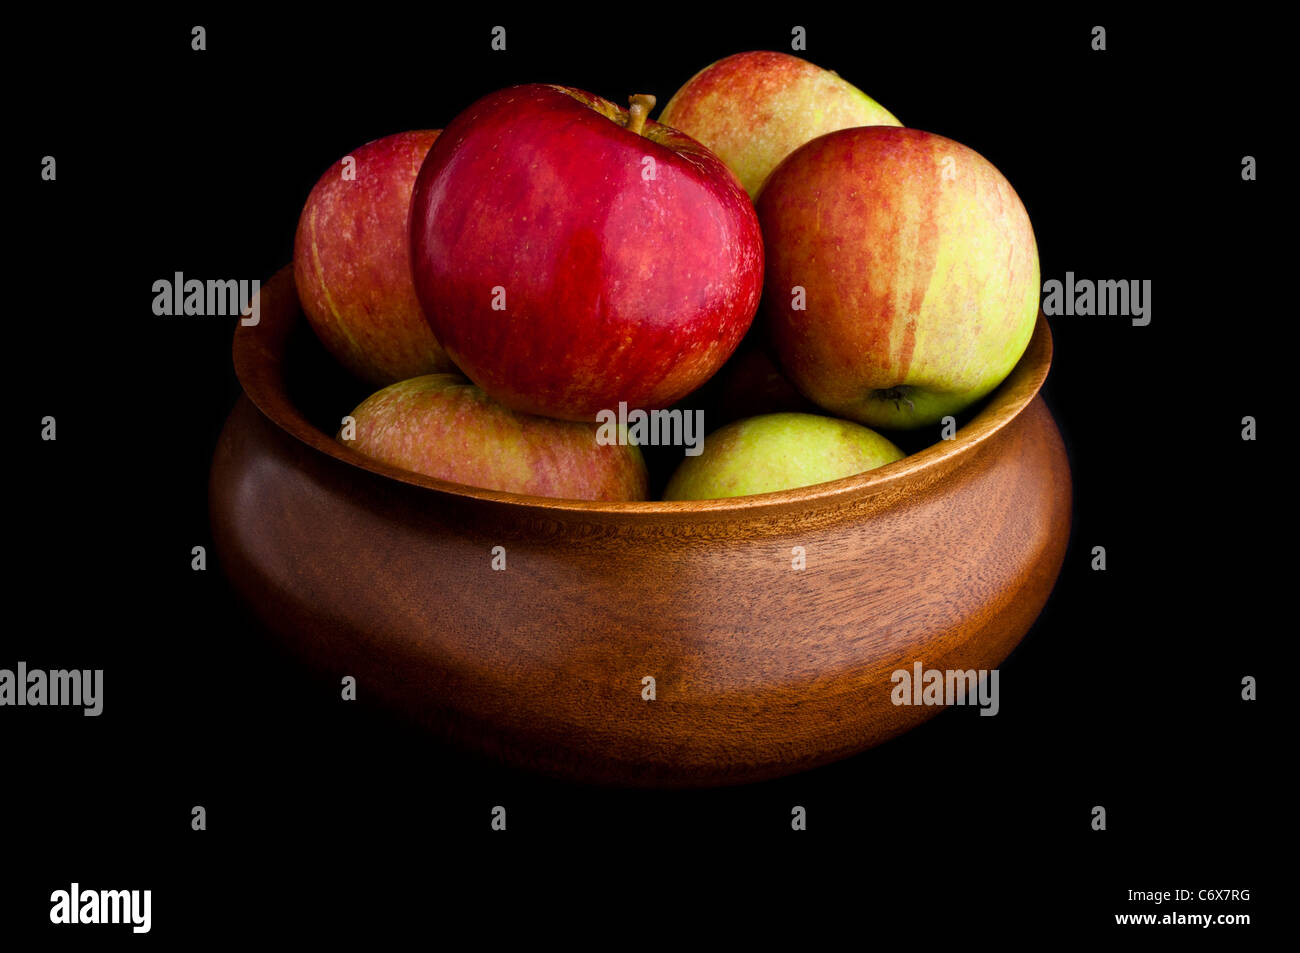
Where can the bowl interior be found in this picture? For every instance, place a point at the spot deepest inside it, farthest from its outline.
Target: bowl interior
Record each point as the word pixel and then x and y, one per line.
pixel 292 380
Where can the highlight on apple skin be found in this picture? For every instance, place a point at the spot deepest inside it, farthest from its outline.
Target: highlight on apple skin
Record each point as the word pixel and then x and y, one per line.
pixel 754 109
pixel 571 255
pixel 443 426
pixel 902 277
pixel 352 262
pixel 778 452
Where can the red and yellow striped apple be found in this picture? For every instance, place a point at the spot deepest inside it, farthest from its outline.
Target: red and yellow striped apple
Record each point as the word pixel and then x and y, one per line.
pixel 902 275
pixel 570 254
pixel 754 109
pixel 443 426
pixel 352 262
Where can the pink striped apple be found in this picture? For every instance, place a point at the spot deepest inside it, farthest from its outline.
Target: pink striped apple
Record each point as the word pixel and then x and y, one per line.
pixel 443 426
pixel 352 262
pixel 902 275
pixel 754 109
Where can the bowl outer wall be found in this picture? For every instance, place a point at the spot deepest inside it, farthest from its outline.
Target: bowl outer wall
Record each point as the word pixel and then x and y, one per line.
pixel 761 669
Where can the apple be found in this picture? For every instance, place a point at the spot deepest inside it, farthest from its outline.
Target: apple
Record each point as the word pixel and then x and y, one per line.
pixel 352 262
pixel 778 452
pixel 443 426
pixel 570 254
pixel 902 275
pixel 751 384
pixel 754 109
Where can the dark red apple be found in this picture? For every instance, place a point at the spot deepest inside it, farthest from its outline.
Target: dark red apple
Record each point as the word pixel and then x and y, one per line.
pixel 570 255
pixel 750 385
pixel 352 262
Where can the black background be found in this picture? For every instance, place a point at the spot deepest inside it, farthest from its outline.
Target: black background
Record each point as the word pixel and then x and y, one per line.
pixel 1125 694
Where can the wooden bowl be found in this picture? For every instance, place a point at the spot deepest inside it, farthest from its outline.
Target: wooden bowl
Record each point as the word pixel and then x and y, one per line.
pixel 760 669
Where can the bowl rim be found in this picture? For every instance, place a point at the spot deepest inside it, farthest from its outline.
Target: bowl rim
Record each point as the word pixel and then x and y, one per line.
pixel 258 352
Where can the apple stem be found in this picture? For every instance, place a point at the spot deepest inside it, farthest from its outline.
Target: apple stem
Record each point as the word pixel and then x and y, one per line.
pixel 641 104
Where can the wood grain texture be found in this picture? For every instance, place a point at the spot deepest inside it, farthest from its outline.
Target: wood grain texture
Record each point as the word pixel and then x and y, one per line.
pixel 946 557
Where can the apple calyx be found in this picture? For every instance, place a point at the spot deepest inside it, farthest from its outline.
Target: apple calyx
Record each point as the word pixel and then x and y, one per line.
pixel 639 111
pixel 897 394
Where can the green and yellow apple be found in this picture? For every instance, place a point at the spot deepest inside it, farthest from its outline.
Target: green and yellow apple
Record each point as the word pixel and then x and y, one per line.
pixel 754 109
pixel 443 426
pixel 902 274
pixel 778 452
